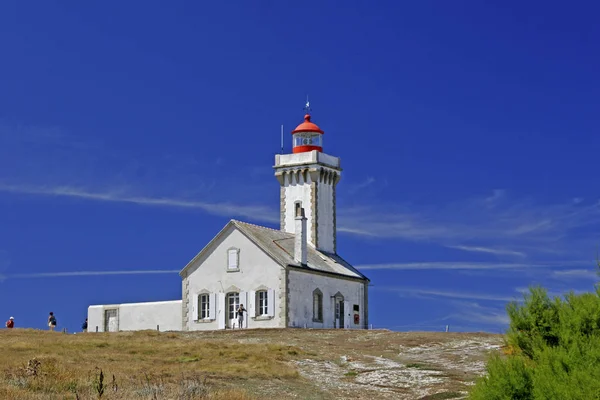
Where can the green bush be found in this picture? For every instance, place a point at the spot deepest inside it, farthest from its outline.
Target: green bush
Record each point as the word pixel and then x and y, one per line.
pixel 554 350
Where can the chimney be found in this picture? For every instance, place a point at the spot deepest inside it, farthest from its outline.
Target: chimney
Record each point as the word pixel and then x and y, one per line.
pixel 300 239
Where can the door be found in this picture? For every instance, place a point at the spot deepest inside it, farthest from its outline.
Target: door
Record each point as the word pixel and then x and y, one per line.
pixel 338 312
pixel 233 302
pixel 111 323
pixel 347 321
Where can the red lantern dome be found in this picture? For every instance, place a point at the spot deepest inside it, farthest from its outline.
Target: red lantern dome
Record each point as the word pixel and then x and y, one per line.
pixel 307 137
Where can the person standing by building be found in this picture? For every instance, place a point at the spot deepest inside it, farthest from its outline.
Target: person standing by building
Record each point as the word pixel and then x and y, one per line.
pixel 51 321
pixel 10 323
pixel 240 315
pixel 84 326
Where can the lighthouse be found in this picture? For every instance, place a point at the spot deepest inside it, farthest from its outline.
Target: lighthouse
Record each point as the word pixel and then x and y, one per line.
pixel 279 275
pixel 308 178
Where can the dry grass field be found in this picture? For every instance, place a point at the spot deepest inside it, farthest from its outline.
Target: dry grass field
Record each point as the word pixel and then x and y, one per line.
pixel 247 364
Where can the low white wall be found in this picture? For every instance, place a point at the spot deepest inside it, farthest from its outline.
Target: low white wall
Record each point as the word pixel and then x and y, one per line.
pixel 96 318
pixel 139 316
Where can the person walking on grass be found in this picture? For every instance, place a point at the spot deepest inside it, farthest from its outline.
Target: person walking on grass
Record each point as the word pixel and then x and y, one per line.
pixel 240 315
pixel 51 321
pixel 10 323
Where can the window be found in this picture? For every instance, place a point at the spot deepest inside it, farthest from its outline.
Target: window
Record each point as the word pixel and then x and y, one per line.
pixel 262 303
pixel 204 301
pixel 317 306
pixel 297 208
pixel 233 259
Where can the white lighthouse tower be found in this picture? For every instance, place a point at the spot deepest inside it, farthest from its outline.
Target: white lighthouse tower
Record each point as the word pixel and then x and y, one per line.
pixel 308 178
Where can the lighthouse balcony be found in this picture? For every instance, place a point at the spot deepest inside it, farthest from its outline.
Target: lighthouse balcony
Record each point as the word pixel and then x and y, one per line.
pixel 311 157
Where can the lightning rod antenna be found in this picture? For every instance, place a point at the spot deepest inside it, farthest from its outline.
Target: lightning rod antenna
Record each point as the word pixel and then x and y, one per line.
pixel 307 105
pixel 281 138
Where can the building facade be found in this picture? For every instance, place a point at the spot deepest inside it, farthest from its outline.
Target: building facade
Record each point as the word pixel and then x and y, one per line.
pixel 291 277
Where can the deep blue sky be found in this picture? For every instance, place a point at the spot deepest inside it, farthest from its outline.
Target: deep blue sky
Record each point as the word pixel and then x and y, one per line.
pixel 131 133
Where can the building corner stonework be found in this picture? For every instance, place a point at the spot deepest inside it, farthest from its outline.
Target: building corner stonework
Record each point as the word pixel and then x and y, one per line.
pixel 282 208
pixel 283 298
pixel 333 194
pixel 185 301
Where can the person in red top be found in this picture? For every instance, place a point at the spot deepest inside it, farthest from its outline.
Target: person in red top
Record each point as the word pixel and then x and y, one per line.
pixel 10 323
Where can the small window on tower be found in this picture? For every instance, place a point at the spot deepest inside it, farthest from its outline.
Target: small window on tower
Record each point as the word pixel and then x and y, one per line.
pixel 298 208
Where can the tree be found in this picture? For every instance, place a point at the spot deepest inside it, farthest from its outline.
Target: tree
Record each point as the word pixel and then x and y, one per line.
pixel 554 350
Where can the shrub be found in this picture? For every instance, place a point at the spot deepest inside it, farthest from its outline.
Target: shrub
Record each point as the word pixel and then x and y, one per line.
pixel 555 350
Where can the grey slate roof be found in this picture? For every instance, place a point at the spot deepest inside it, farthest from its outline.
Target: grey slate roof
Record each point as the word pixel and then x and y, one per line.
pixel 280 246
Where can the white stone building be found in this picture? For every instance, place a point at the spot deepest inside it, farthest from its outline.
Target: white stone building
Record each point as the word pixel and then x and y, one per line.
pixel 292 277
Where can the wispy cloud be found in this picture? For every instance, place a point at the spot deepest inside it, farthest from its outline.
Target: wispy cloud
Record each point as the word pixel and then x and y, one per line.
pixel 259 213
pixel 465 306
pixel 89 273
pixel 459 265
pixel 469 311
pixel 488 250
pixel 577 274
pixel 471 219
pixel 494 224
pixel 436 293
pixel 41 161
pixel 362 185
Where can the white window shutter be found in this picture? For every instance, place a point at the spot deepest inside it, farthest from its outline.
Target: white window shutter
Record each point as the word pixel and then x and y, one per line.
pixel 251 305
pixel 232 259
pixel 221 311
pixel 195 307
pixel 271 303
pixel 212 306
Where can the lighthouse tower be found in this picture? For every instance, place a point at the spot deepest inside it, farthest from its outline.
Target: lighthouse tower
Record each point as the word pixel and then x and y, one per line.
pixel 308 178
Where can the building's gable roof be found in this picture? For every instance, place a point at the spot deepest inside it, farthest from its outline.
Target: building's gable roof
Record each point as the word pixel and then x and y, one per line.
pixel 232 224
pixel 279 245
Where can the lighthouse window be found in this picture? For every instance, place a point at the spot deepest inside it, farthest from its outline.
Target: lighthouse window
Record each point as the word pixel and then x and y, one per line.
pixel 307 139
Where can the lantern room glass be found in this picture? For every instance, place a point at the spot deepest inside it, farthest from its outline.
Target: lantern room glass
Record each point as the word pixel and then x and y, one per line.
pixel 308 139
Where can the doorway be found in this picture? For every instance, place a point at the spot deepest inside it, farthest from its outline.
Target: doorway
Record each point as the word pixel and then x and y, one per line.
pixel 111 322
pixel 233 302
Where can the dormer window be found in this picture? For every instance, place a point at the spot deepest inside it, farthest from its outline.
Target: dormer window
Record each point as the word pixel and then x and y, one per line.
pixel 233 259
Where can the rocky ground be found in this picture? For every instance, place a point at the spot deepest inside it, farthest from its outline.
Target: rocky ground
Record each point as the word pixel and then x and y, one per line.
pixel 379 364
